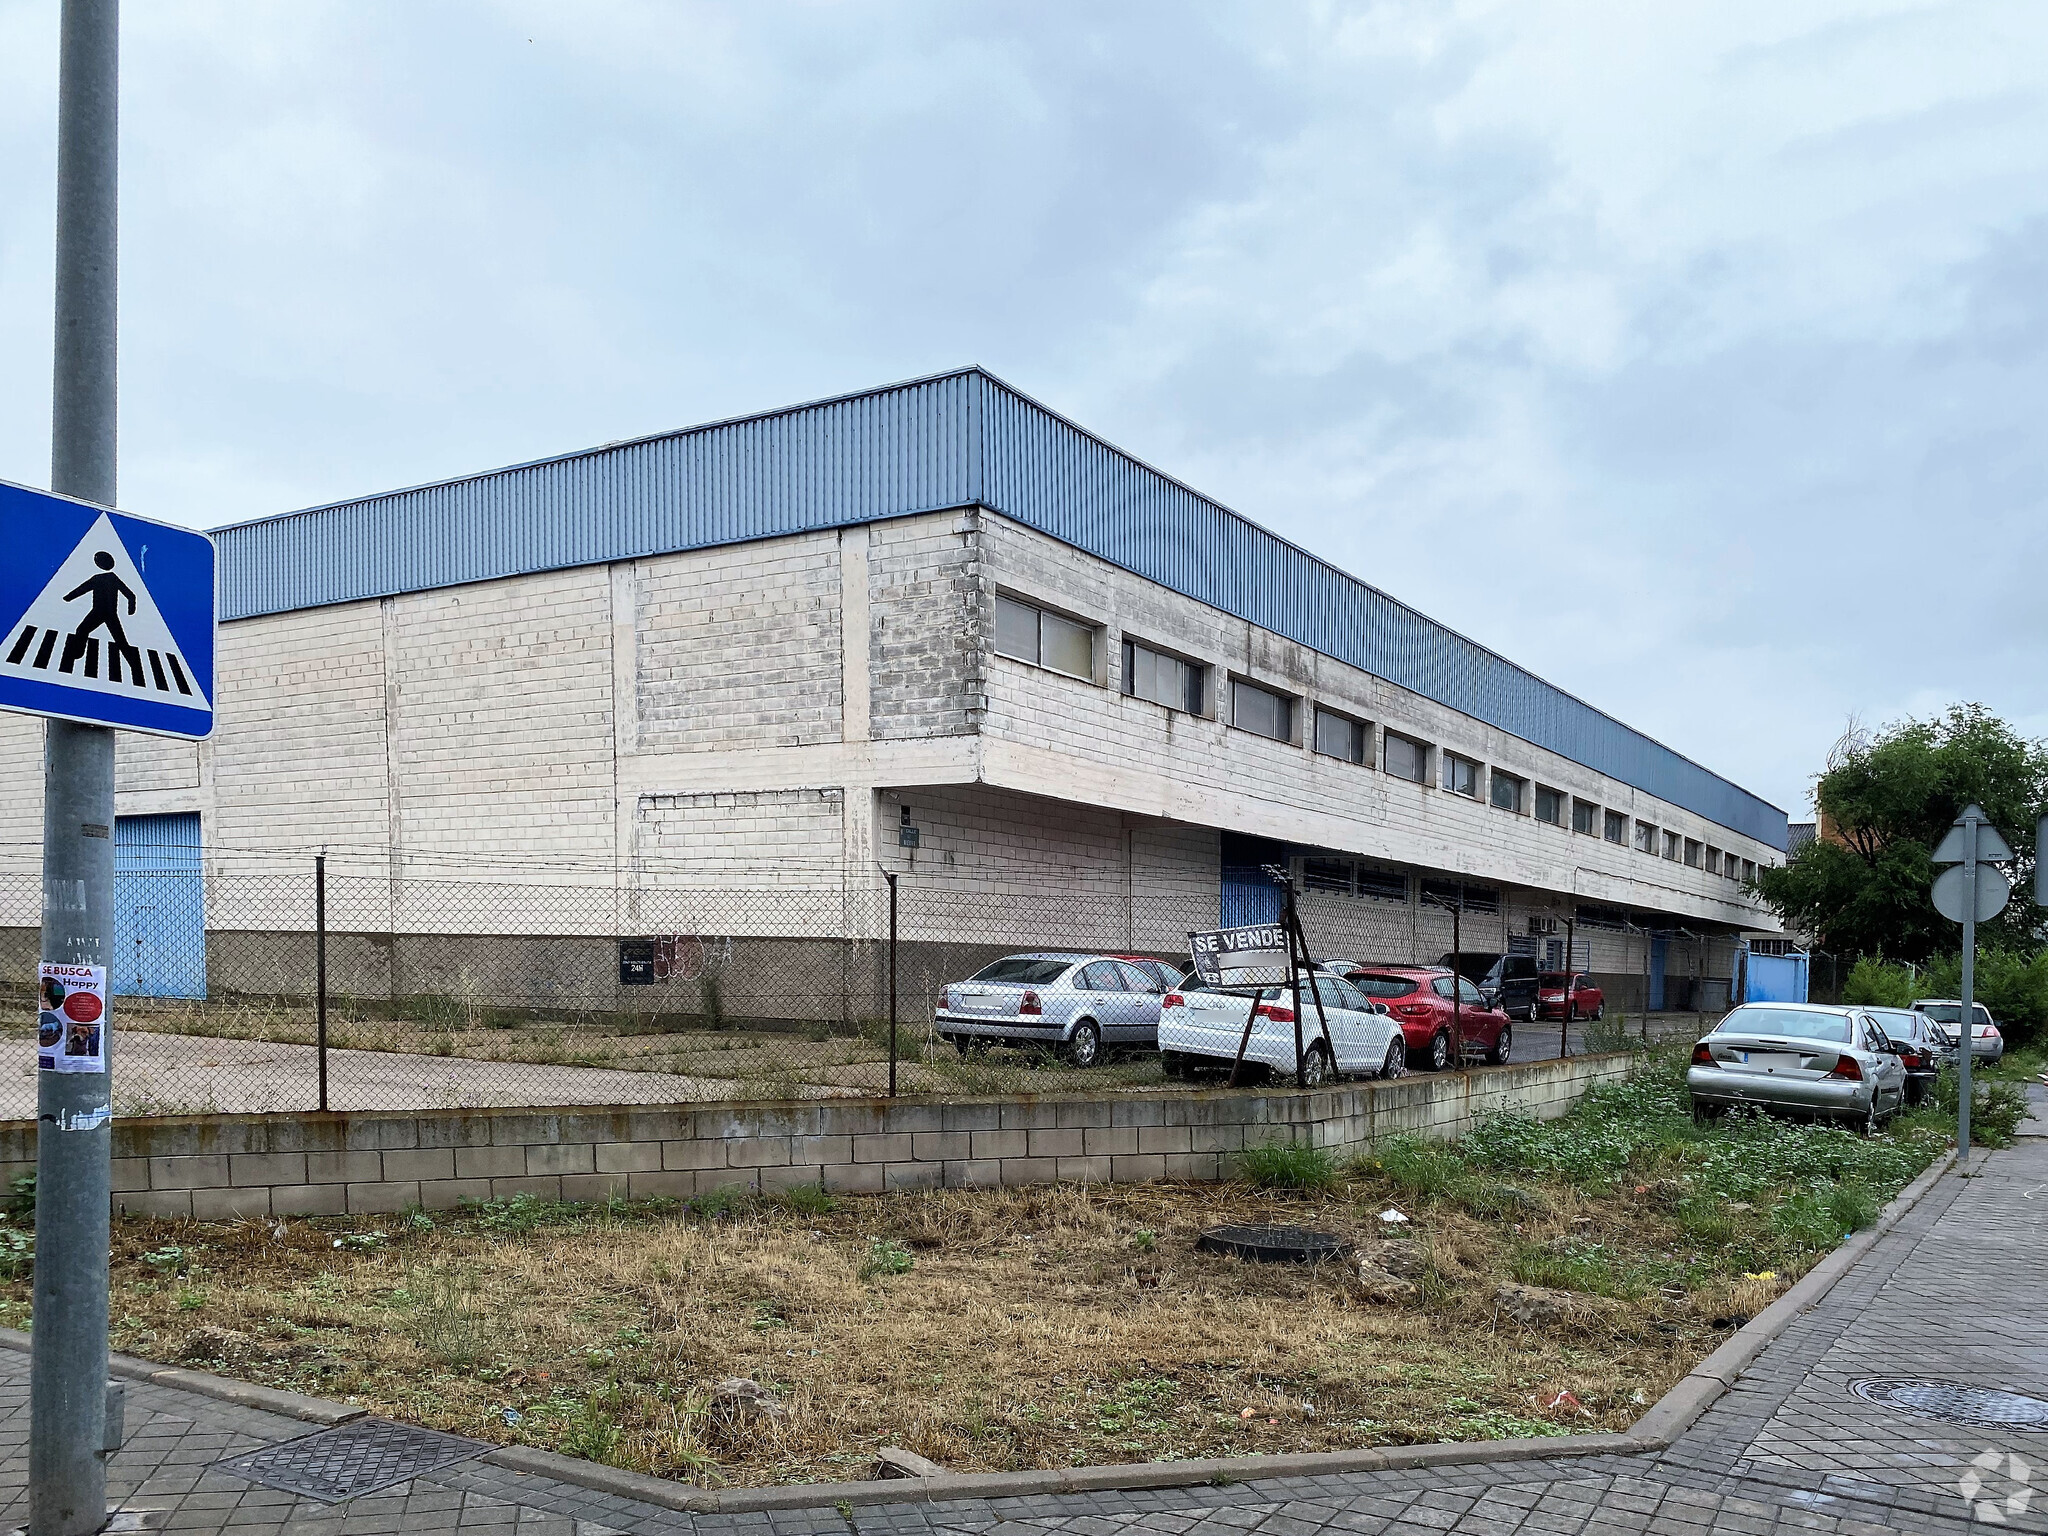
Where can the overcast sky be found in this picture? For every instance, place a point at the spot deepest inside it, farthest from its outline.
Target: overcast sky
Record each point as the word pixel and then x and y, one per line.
pixel 1694 355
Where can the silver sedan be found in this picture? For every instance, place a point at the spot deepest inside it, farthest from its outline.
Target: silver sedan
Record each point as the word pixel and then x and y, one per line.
pixel 1799 1058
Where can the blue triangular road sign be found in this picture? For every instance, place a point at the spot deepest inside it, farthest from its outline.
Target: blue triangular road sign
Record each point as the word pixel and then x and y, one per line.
pixel 109 619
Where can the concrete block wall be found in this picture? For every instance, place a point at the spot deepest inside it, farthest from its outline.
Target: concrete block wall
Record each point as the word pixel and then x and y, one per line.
pixel 739 647
pixel 928 627
pixel 241 1166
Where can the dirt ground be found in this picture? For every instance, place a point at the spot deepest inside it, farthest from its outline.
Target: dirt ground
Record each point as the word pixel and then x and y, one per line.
pixel 986 1330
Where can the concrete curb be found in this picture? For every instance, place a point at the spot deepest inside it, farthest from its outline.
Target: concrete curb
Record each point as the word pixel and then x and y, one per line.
pixel 1668 1418
pixel 293 1405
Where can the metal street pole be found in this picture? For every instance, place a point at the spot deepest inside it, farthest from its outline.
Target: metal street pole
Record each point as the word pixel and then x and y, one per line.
pixel 1965 1026
pixel 67 1474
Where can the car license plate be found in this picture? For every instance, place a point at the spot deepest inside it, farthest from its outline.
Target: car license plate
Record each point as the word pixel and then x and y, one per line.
pixel 1769 1061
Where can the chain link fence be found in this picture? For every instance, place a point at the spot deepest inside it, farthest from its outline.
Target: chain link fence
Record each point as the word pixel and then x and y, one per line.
pixel 297 988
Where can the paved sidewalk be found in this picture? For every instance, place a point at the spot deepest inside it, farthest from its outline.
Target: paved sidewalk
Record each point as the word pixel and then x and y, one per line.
pixel 1953 1293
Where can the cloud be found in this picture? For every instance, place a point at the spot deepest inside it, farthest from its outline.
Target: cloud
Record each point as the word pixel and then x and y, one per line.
pixel 1669 350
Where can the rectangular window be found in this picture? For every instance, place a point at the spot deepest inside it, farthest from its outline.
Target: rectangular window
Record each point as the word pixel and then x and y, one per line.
pixel 1603 917
pixel 1341 736
pixel 1326 875
pixel 1671 846
pixel 1261 711
pixel 1713 861
pixel 1025 633
pixel 1646 838
pixel 1748 870
pixel 1509 792
pixel 1461 775
pixel 1454 893
pixel 1164 679
pixel 1382 884
pixel 1585 816
pixel 1617 827
pixel 1692 853
pixel 1406 759
pixel 1549 806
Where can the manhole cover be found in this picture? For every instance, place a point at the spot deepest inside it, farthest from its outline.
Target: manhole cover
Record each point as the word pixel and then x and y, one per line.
pixel 1978 1407
pixel 358 1458
pixel 1273 1245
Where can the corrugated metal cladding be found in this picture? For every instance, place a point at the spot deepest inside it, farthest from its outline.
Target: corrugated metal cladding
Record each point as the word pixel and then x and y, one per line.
pixel 958 439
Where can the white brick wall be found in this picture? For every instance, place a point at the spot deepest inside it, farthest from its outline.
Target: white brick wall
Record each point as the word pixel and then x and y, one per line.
pixel 739 647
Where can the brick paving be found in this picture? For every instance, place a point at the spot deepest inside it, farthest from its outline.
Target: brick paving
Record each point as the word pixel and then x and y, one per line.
pixel 1954 1293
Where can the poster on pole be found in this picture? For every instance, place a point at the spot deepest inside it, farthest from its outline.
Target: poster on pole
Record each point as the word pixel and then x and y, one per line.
pixel 71 1018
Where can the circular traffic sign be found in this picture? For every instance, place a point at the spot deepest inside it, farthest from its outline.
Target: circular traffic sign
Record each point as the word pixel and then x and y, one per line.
pixel 1993 891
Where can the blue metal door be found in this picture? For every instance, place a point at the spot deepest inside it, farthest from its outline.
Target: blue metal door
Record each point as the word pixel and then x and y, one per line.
pixel 1249 896
pixel 1656 975
pixel 159 907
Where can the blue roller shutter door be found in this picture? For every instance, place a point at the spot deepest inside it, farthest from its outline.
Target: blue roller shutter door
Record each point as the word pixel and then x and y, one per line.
pixel 159 907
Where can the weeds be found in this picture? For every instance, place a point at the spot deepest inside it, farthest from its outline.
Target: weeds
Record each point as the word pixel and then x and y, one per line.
pixel 885 1257
pixel 805 1200
pixel 1287 1165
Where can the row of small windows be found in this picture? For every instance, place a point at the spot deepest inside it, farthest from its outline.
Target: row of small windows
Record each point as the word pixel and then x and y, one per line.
pixel 1025 632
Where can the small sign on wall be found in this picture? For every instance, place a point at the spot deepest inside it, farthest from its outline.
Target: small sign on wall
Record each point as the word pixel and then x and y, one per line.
pixel 636 963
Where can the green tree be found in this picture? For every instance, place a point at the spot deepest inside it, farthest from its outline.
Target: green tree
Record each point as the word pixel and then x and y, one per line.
pixel 1887 801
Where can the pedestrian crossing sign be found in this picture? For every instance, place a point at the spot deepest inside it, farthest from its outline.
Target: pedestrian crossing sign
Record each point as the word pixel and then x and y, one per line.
pixel 108 618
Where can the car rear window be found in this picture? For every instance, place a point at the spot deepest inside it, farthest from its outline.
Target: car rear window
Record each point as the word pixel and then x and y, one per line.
pixel 1383 986
pixel 1023 971
pixel 1949 1013
pixel 1550 979
pixel 1796 1022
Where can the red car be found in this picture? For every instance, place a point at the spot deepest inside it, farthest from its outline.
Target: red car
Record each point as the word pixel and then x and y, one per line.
pixel 1578 1000
pixel 1420 997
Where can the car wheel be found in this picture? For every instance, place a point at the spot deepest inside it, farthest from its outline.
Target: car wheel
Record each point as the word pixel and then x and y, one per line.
pixel 970 1045
pixel 1872 1121
pixel 1599 1010
pixel 1397 1058
pixel 1706 1112
pixel 1084 1046
pixel 1503 1047
pixel 1440 1051
pixel 1316 1068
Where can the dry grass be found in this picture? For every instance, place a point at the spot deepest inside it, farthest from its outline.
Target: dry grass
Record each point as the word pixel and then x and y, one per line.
pixel 1034 1327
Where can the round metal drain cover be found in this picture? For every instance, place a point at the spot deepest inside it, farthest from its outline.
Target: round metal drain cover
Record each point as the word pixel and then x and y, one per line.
pixel 1273 1245
pixel 1978 1407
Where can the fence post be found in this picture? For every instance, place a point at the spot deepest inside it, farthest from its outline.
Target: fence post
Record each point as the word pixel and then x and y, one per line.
pixel 320 970
pixel 890 876
pixel 1564 1019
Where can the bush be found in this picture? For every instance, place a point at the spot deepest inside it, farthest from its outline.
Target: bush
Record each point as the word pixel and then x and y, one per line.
pixel 1874 982
pixel 1287 1165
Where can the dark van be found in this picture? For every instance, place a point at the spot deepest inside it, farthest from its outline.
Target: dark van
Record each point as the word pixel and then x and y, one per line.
pixel 1507 982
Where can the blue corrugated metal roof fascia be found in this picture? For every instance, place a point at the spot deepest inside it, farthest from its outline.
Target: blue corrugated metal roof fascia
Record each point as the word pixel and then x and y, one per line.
pixel 949 440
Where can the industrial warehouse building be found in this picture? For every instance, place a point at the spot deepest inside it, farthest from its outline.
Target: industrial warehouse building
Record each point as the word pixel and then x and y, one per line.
pixel 722 681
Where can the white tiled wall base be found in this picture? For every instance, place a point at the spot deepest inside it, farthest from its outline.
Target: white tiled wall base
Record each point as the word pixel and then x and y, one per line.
pixel 233 1166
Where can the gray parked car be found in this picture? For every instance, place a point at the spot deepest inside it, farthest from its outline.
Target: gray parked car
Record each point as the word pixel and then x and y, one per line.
pixel 1079 1005
pixel 1986 1043
pixel 1802 1059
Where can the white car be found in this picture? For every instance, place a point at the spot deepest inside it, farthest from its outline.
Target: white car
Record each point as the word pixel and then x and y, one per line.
pixel 1986 1043
pixel 1199 1030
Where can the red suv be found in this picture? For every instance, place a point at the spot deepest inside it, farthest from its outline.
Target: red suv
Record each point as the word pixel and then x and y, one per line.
pixel 1568 996
pixel 1420 997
